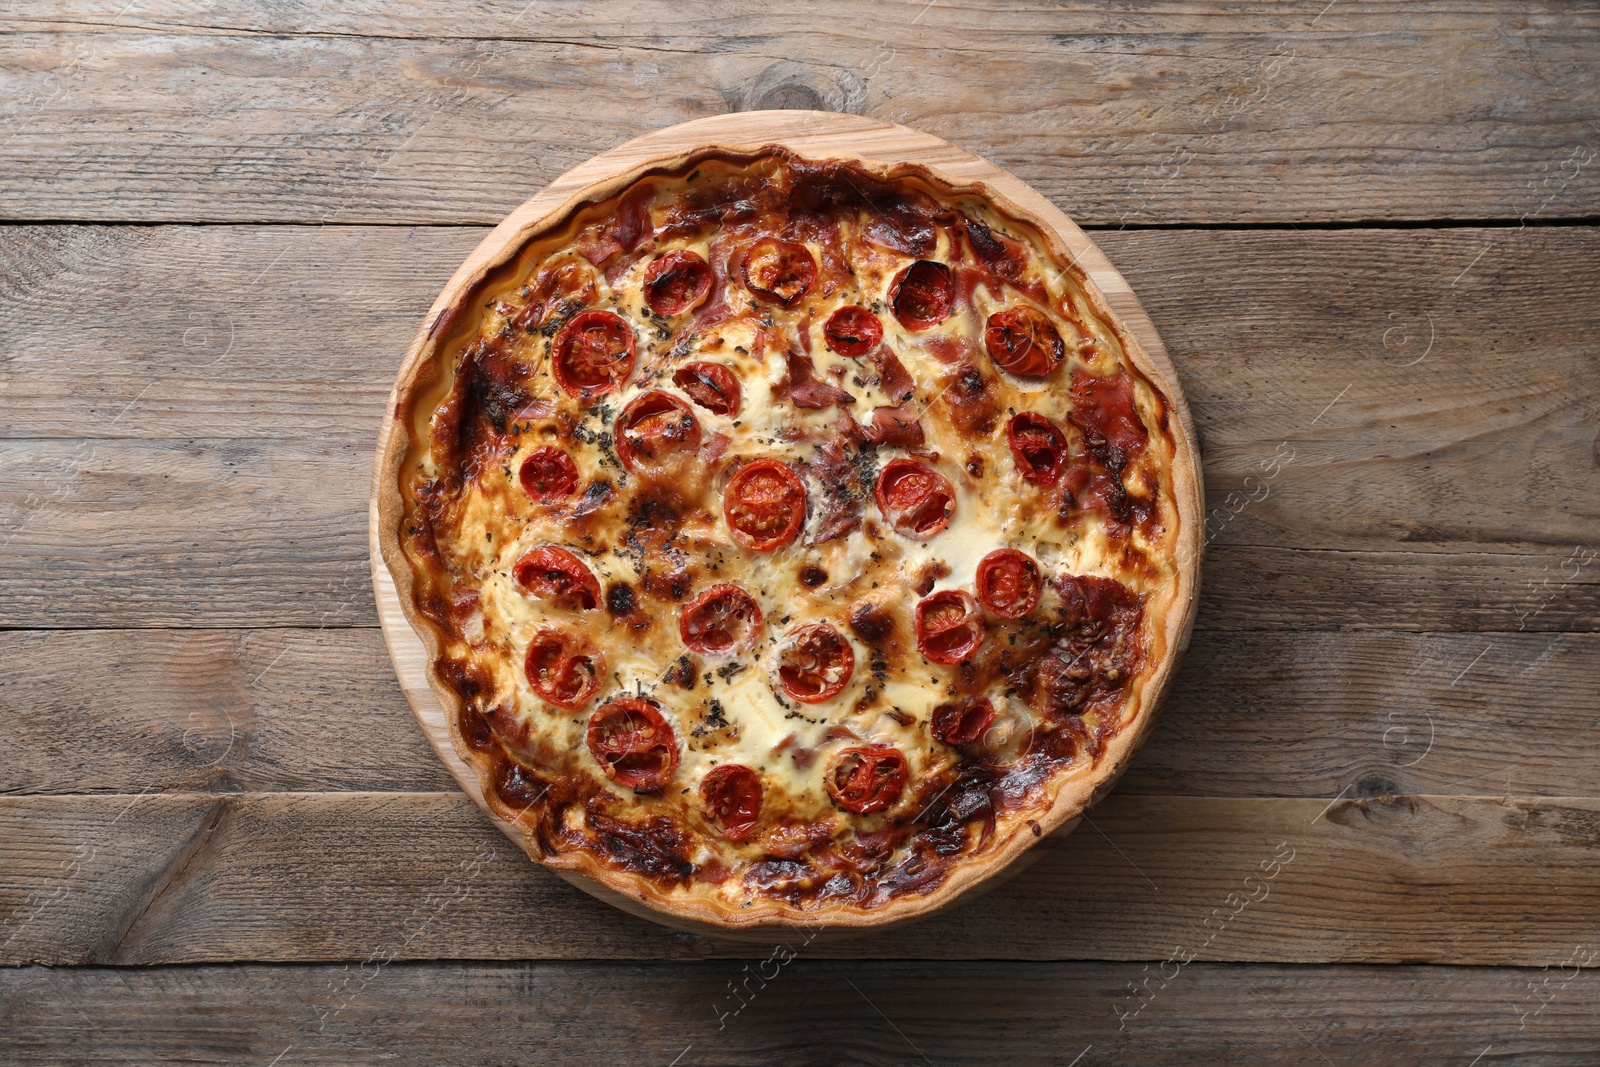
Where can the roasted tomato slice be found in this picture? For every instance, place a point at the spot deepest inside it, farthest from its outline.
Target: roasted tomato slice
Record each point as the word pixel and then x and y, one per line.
pixel 962 722
pixel 1009 583
pixel 852 331
pixel 949 626
pixel 732 795
pixel 634 743
pixel 922 295
pixel 548 474
pixel 1039 447
pixel 721 619
pixel 867 778
pixel 779 271
pixel 914 499
pixel 593 353
pixel 556 575
pixel 765 505
pixel 655 432
pixel 564 668
pixel 711 385
pixel 815 663
pixel 1024 341
pixel 676 282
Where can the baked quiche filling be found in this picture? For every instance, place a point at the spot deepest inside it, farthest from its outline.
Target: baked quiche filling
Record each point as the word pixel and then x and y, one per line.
pixel 791 533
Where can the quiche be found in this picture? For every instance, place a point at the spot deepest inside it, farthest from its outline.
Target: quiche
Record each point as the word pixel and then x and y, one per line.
pixel 794 540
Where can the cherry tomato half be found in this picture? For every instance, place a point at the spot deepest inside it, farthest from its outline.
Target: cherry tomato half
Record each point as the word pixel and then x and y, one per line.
pixel 1009 583
pixel 1038 445
pixel 765 505
pixel 633 743
pixel 719 620
pixel 815 663
pixel 949 626
pixel 1024 341
pixel 711 385
pixel 732 795
pixel 593 353
pixel 867 778
pixel 915 499
pixel 548 474
pixel 564 668
pixel 779 271
pixel 677 282
pixel 962 722
pixel 852 331
pixel 554 574
pixel 655 431
pixel 922 295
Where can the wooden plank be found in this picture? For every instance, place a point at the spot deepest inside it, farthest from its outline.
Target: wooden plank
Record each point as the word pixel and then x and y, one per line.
pixel 180 332
pixel 799 1011
pixel 199 357
pixel 1480 456
pixel 1287 714
pixel 249 533
pixel 226 533
pixel 1377 879
pixel 662 25
pixel 1262 115
pixel 184 533
pixel 297 332
pixel 1253 587
pixel 1268 714
pixel 216 711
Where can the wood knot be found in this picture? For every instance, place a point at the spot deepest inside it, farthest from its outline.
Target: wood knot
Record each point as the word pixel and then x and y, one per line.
pixel 790 86
pixel 1375 799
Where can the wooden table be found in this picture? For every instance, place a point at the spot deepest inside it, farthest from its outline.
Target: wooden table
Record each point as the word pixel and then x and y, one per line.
pixel 1365 830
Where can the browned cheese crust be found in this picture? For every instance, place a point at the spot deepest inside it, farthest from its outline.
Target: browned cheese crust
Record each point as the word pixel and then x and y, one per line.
pixel 842 636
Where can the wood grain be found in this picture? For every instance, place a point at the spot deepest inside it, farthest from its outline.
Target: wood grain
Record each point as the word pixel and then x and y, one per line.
pixel 217 711
pixel 1366 878
pixel 1263 714
pixel 1259 114
pixel 809 1012
pixel 180 332
pixel 1268 587
pixel 191 410
pixel 1479 458
pixel 252 533
pixel 184 533
pixel 662 25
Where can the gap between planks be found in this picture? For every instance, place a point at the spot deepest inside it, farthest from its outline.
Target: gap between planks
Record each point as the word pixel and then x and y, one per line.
pixel 796 1011
pixel 1379 879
